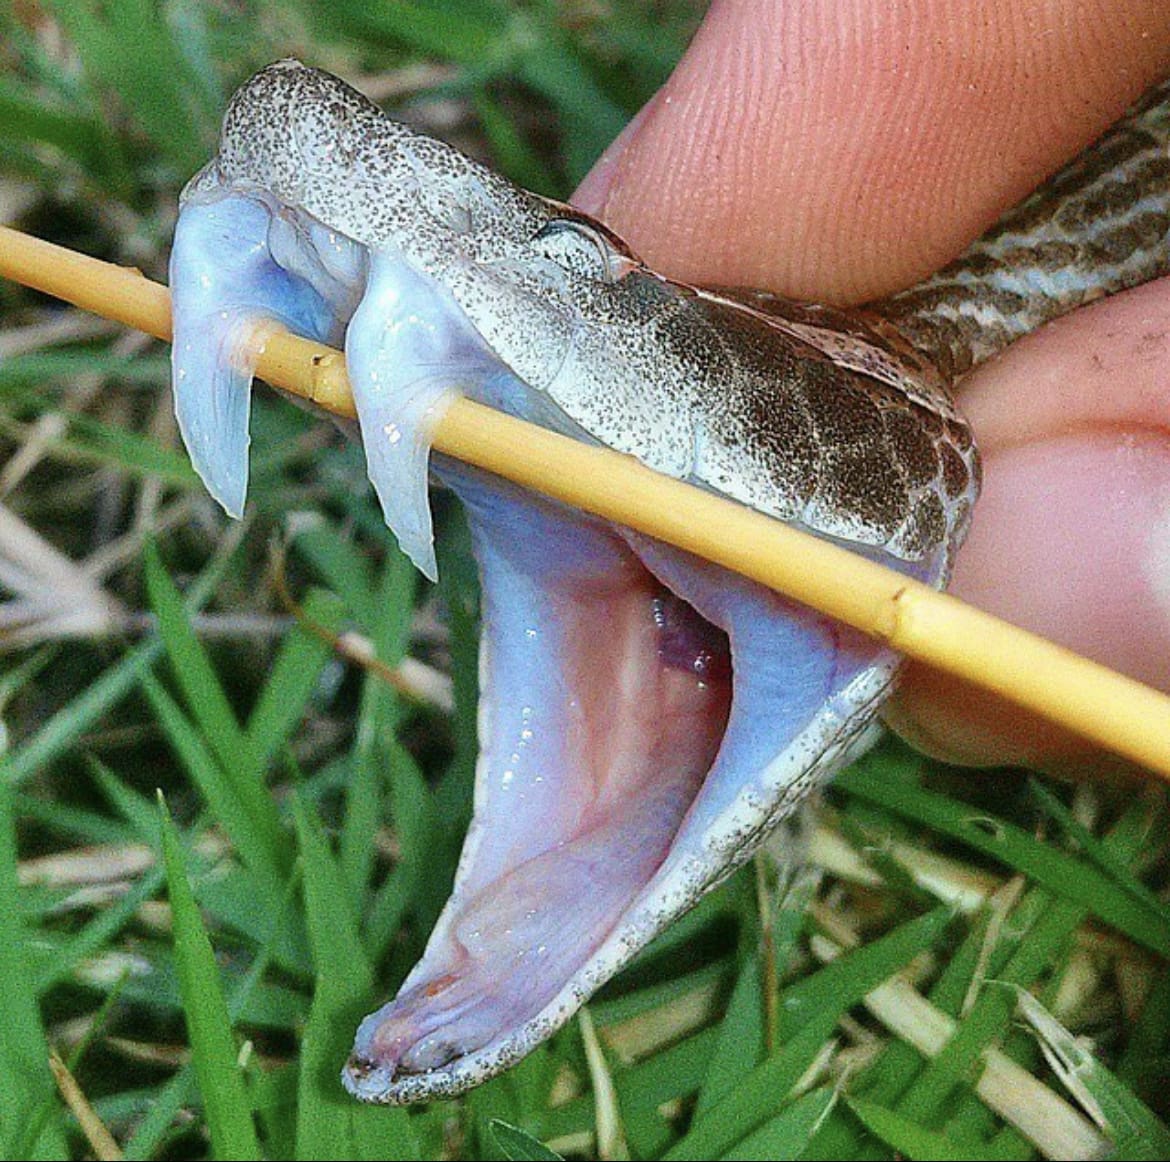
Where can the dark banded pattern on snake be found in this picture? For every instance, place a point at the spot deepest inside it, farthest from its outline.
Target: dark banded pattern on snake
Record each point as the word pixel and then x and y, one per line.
pixel 1099 226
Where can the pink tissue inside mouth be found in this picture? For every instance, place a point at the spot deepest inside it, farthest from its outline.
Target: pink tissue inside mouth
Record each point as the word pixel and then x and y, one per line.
pixel 652 687
pixel 587 785
pixel 625 723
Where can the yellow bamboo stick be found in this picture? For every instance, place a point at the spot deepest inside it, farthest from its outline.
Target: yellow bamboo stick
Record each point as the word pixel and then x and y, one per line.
pixel 1089 699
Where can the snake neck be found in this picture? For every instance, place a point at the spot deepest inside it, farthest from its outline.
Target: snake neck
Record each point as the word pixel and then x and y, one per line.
pixel 1100 225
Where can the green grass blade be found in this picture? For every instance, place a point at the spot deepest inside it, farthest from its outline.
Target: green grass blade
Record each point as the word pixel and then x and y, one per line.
pixel 30 119
pixel 463 30
pixel 813 1006
pixel 330 1123
pixel 741 1040
pixel 378 719
pixel 292 678
pixel 953 1067
pixel 664 1077
pixel 62 730
pixel 788 1133
pixel 591 120
pixel 24 1051
pixel 27 381
pixel 342 566
pixel 511 152
pixel 181 1090
pixel 912 1140
pixel 413 815
pixel 141 817
pixel 844 981
pixel 230 777
pixel 519 1146
pixel 1137 1133
pixel 67 820
pixel 1065 875
pixel 1101 852
pixel 129 48
pixel 162 1113
pixel 95 935
pixel 213 1045
pixel 190 664
pixel 256 837
pixel 1150 1039
pixel 92 442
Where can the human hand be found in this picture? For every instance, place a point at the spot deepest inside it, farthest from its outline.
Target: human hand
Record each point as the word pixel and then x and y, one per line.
pixel 840 152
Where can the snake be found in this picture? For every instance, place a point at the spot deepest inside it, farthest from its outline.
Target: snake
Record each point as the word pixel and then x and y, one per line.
pixel 645 718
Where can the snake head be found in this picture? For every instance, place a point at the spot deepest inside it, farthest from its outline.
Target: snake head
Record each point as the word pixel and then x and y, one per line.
pixel 645 717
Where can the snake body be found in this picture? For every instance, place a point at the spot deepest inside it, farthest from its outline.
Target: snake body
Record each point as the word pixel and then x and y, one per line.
pixel 1099 226
pixel 645 718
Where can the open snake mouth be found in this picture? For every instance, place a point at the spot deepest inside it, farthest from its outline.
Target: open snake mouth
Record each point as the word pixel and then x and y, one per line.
pixel 645 716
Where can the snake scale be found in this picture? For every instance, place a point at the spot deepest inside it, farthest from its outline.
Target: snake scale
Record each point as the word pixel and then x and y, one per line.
pixel 1097 227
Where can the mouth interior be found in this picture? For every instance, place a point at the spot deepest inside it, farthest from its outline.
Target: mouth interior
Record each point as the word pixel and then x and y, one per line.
pixel 604 700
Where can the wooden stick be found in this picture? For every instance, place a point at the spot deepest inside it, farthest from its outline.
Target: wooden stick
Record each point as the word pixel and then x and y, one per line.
pixel 1089 699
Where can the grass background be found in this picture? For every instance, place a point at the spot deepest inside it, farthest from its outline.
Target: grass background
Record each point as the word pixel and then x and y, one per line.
pixel 967 965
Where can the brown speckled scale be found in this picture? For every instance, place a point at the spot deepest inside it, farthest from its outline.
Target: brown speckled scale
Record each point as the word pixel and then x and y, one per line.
pixel 826 419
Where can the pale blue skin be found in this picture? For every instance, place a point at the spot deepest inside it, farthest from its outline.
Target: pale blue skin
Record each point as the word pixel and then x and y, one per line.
pixel 577 857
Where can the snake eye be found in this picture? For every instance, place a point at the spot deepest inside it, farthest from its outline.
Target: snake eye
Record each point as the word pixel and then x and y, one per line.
pixel 579 249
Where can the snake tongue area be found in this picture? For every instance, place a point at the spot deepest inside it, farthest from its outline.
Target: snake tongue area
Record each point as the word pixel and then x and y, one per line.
pixel 645 717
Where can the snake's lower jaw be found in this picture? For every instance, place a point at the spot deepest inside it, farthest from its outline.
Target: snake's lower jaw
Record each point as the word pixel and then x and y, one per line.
pixel 644 720
pixel 644 716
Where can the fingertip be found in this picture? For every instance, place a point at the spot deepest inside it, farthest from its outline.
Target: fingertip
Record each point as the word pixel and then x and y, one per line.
pixel 1070 542
pixel 839 151
pixel 592 195
pixel 956 722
